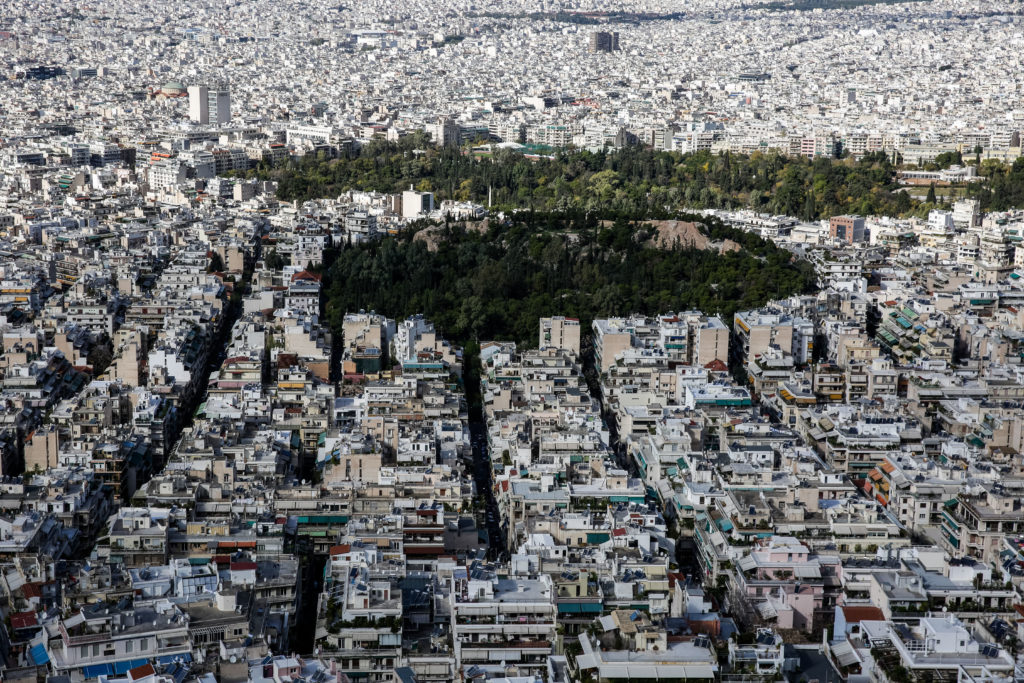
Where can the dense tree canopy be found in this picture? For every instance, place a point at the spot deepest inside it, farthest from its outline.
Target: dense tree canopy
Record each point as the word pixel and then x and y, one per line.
pixel 632 181
pixel 495 284
pixel 1001 187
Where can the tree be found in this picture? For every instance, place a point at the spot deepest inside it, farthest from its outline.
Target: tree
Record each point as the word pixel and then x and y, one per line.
pixel 216 264
pixel 947 159
pixel 274 261
pixel 810 208
pixel 629 181
pixel 100 355
pixel 495 285
pixel 930 199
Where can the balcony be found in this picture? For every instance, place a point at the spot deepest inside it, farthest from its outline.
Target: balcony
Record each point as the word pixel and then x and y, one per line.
pixel 509 645
pixel 502 621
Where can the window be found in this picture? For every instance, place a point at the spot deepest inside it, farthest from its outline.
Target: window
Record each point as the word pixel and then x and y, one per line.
pixel 144 644
pixel 129 645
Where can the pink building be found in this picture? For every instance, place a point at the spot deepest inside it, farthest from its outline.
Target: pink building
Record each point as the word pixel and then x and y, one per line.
pixel 787 582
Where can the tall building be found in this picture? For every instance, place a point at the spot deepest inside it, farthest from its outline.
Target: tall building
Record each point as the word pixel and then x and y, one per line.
pixel 415 204
pixel 561 333
pixel 849 229
pixel 218 104
pixel 710 340
pixel 966 214
pixel 444 132
pixel 209 104
pixel 611 337
pixel 603 41
pixel 758 330
pixel 197 97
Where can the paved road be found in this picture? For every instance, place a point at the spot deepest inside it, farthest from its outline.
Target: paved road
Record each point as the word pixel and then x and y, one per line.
pixel 484 485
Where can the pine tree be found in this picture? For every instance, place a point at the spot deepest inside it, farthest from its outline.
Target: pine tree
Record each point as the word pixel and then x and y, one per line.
pixel 810 210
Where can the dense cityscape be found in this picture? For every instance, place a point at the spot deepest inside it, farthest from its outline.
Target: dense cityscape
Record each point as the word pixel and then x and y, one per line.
pixel 512 343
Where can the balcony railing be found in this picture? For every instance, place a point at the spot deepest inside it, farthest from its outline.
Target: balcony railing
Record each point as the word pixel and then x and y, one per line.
pixel 510 645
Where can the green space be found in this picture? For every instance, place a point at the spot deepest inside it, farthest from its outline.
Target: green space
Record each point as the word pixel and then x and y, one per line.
pixel 1001 187
pixel 495 283
pixel 634 182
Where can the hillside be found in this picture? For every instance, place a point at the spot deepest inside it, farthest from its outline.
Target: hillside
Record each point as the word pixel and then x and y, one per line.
pixel 495 284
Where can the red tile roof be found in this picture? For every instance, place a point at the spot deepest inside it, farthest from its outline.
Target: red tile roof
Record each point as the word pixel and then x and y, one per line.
pixel 857 613
pixel 24 620
pixel 306 275
pixel 141 671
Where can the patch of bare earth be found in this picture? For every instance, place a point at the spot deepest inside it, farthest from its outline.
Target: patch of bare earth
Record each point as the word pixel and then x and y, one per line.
pixel 683 233
pixel 687 234
pixel 728 245
pixel 433 235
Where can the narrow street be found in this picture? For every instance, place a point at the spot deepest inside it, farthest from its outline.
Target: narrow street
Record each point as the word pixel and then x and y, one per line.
pixel 483 476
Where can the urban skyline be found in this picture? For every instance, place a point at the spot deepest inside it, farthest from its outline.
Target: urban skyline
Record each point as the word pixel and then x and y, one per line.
pixel 520 342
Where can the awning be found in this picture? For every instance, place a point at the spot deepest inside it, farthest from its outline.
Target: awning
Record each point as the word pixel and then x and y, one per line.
pixel 580 608
pixel 39 655
pixel 96 670
pixel 807 572
pixel 845 654
pixel 74 620
pixel 648 671
pixel 767 610
pixel 122 667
